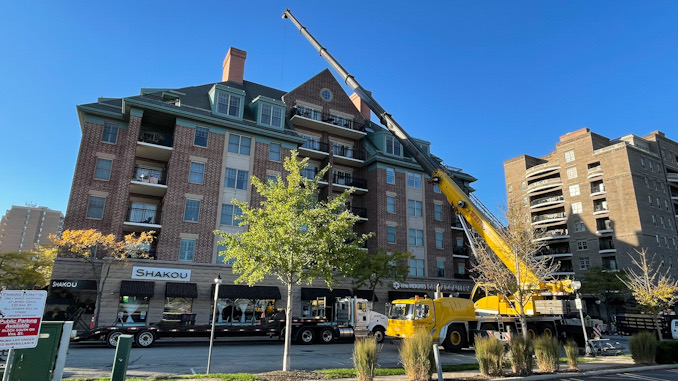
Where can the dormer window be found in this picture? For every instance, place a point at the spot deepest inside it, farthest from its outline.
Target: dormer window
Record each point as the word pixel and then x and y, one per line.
pixel 271 116
pixel 227 101
pixel 228 104
pixel 393 146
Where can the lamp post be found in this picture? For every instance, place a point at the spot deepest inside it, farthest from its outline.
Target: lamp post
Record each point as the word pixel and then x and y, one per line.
pixel 217 282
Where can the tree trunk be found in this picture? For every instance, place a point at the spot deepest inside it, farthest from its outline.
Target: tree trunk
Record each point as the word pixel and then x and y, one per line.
pixel 288 329
pixel 523 323
pixel 655 318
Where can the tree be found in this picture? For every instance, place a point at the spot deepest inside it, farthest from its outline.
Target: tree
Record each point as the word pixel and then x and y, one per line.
pixel 515 288
pixel 292 236
pixel 602 282
pixel 654 290
pixel 26 269
pixel 102 252
pixel 373 270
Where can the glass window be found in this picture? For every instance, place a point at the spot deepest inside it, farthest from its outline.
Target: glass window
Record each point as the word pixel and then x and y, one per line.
pixel 414 180
pixel 440 266
pixel 436 189
pixel 201 135
pixel 439 240
pixel 175 308
pixel 416 237
pixel 416 267
pixel 110 134
pixel 390 176
pixel 584 263
pixel 236 178
pixel 239 144
pixel 103 169
pixel 579 226
pixel 574 190
pixel 196 173
pixel 461 268
pixel 642 162
pixel 582 245
pixel 229 214
pixel 192 210
pixel 391 234
pixel 392 146
pixel 228 104
pixel 654 220
pixel 271 115
pixel 274 151
pixel 576 208
pixel 187 250
pixel 95 208
pixel 569 156
pixel 414 208
pixel 438 212
pixel 132 310
pixel 221 257
pixel 572 173
pixel 390 204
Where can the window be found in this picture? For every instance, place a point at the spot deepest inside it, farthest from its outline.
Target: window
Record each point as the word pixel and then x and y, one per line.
pixel 229 214
pixel 133 309
pixel 576 208
pixel 659 205
pixel 666 204
pixel 649 200
pixel 390 204
pixel 110 134
pixel 390 176
pixel 326 94
pixel 274 152
pixel 510 188
pixel 271 115
pixel 221 257
pixel 414 208
pixel 416 267
pixel 647 183
pixel 236 178
pixel 272 178
pixel 572 173
pixel 228 105
pixel 584 263
pixel 642 162
pixel 103 169
pixel 579 226
pixel 582 245
pixel 95 208
pixel 416 237
pixel 651 167
pixel 239 144
pixel 391 234
pixel 523 186
pixel 654 220
pixel 438 212
pixel 670 223
pixel 195 175
pixel 439 240
pixel 661 221
pixel 440 266
pixel 569 156
pixel 659 243
pixel 574 190
pixel 200 139
pixel 414 180
pixel 436 189
pixel 187 250
pixel 461 268
pixel 392 146
pixel 192 210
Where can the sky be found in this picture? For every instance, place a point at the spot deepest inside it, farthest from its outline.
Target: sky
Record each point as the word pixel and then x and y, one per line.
pixel 483 81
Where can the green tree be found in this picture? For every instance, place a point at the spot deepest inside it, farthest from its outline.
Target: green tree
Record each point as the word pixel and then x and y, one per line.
pixel 292 236
pixel 372 270
pixel 599 281
pixel 26 269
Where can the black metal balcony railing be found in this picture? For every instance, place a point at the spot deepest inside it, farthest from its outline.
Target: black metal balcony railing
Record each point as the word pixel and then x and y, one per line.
pixel 144 216
pixel 550 216
pixel 606 245
pixel 544 200
pixel 555 250
pixel 155 137
pixel 460 250
pixel 317 146
pixel 349 181
pixel 148 175
pixel 351 153
pixel 328 118
pixel 359 211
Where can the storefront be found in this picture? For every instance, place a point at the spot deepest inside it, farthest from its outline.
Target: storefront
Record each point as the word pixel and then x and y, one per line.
pixel 71 299
pixel 244 304
pixel 134 300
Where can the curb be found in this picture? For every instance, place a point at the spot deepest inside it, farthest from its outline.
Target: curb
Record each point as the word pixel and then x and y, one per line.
pixel 590 373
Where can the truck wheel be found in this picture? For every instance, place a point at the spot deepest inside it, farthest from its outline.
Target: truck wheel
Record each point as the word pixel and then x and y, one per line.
pixel 144 339
pixel 456 339
pixel 305 336
pixel 326 335
pixel 378 333
pixel 547 329
pixel 112 338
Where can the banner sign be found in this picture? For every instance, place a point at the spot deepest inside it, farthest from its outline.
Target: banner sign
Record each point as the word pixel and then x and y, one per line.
pixel 155 273
pixel 432 286
pixel 20 318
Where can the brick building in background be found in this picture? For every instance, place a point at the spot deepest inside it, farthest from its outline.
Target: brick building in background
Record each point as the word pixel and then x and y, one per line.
pixel 23 227
pixel 600 199
pixel 171 160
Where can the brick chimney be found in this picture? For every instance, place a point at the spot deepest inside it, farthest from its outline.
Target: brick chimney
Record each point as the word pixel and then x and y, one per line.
pixel 234 65
pixel 361 105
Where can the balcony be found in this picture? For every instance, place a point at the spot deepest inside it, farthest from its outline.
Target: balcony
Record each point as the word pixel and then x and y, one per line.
pixel 142 219
pixel 672 177
pixel 548 218
pixel 360 212
pixel 348 156
pixel 606 247
pixel 456 224
pixel 604 226
pixel 547 201
pixel 334 124
pixel 597 189
pixel 544 184
pixel 310 173
pixel 610 264
pixel 600 209
pixel 315 149
pixel 154 145
pixel 460 252
pixel 594 172
pixel 149 181
pixel 554 234
pixel 347 182
pixel 542 169
pixel 556 252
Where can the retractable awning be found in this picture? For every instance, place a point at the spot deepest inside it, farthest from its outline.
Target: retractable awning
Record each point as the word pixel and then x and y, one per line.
pixel 137 288
pixel 181 290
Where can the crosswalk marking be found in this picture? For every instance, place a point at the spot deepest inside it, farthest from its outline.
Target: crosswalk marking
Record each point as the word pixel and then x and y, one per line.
pixel 648 378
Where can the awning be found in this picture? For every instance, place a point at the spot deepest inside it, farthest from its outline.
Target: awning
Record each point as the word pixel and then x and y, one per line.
pixel 308 293
pixel 232 291
pixel 137 288
pixel 393 295
pixel 366 294
pixel 181 290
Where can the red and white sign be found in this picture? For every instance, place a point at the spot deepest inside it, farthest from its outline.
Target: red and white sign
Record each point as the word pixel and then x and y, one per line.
pixel 20 318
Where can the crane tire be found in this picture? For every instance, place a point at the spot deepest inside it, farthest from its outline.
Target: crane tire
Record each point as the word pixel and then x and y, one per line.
pixel 456 338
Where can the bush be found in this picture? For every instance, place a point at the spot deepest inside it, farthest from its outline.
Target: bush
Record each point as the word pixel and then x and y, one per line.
pixel 667 352
pixel 490 355
pixel 416 355
pixel 643 348
pixel 572 353
pixel 365 354
pixel 547 351
pixel 520 350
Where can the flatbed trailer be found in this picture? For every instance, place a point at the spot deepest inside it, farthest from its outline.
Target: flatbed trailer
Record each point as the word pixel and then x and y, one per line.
pixel 630 324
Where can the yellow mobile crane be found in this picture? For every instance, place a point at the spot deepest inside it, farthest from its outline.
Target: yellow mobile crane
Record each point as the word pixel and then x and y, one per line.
pixel 449 319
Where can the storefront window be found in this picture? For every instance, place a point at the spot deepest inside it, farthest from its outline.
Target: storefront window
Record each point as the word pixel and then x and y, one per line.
pixel 243 311
pixel 178 310
pixel 132 310
pixel 71 300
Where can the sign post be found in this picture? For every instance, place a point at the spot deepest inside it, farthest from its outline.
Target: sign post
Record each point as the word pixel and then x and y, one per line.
pixel 20 318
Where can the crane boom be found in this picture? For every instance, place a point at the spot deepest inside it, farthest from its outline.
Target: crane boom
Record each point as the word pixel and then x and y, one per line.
pixel 455 195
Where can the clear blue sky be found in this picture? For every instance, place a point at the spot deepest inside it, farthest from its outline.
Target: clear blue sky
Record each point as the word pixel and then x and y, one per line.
pixel 484 81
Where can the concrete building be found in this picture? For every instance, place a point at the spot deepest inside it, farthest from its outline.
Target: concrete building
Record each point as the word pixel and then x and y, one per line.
pixel 171 161
pixel 23 227
pixel 599 199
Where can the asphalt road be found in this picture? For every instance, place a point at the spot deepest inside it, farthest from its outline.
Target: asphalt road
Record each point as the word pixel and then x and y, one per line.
pixel 230 355
pixel 655 375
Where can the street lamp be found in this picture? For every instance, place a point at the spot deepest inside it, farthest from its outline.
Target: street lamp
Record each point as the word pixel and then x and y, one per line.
pixel 217 282
pixel 578 303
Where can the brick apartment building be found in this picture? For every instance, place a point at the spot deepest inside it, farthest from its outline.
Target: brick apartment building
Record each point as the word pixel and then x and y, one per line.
pixel 600 199
pixel 171 160
pixel 24 227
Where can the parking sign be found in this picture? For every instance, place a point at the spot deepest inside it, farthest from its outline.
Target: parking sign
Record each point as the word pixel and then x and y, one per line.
pixel 20 318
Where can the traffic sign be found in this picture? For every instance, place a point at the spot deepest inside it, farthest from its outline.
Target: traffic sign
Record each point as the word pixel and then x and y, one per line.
pixel 20 318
